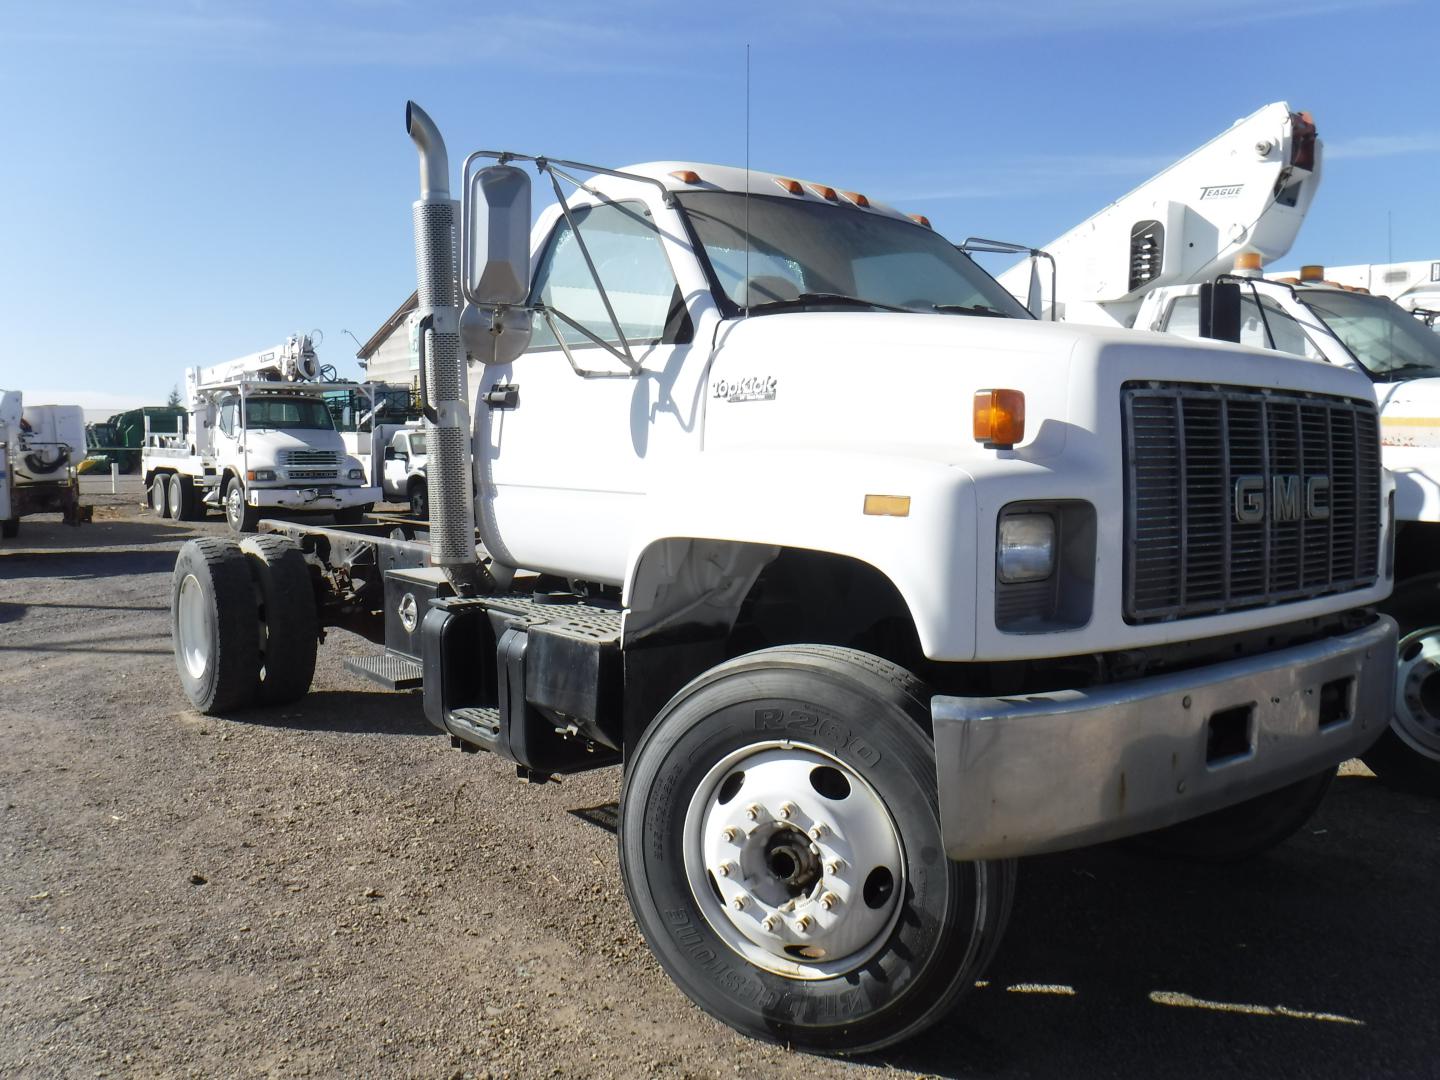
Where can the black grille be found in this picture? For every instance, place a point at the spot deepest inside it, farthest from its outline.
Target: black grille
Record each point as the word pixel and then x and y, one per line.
pixel 1186 448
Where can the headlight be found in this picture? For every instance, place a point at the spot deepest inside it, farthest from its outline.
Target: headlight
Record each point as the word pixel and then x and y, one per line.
pixel 262 475
pixel 1025 548
pixel 356 474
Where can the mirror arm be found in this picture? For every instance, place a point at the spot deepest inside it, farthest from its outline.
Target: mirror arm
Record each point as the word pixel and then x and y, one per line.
pixel 421 330
pixel 551 314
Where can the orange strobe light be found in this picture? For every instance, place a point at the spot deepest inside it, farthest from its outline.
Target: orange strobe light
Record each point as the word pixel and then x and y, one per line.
pixel 999 418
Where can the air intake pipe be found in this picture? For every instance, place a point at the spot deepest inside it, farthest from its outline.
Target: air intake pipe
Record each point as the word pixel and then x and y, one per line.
pixel 442 363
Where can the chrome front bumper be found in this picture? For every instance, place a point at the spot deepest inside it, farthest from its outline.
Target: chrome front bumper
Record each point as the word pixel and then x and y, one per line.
pixel 1059 770
pixel 312 498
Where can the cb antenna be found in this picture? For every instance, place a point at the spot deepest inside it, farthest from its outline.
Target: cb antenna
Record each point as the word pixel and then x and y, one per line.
pixel 746 298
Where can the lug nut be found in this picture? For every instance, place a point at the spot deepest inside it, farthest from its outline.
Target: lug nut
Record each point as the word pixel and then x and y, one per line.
pixel 770 923
pixel 834 866
pixel 829 900
pixel 725 869
pixel 803 923
pixel 731 833
pixel 752 812
pixel 787 809
pixel 738 903
pixel 818 830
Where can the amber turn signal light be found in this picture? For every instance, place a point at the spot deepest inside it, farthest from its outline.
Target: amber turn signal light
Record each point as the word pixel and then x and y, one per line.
pixel 999 418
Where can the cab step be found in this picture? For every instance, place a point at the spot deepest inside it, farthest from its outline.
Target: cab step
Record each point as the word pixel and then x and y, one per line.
pixel 391 670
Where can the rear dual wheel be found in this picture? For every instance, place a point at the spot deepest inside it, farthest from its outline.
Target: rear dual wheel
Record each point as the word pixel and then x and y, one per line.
pixel 160 495
pixel 780 846
pixel 180 498
pixel 244 623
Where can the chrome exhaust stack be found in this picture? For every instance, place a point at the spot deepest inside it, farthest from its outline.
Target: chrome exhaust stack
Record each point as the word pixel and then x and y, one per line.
pixel 444 384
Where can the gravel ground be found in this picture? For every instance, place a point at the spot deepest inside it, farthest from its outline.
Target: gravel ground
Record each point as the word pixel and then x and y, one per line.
pixel 332 891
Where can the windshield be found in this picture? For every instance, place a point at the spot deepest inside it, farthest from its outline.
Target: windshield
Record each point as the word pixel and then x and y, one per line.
pixel 417 445
pixel 305 414
pixel 1389 342
pixel 809 253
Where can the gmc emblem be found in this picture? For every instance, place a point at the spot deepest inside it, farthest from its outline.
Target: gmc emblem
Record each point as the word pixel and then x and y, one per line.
pixel 1285 503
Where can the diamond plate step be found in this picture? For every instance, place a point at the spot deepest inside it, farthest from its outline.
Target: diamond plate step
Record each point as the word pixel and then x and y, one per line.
pixel 390 670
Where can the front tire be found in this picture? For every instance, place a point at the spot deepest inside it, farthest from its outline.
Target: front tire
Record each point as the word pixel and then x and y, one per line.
pixel 419 501
pixel 1407 754
pixel 212 623
pixel 1241 831
pixel 353 515
pixel 241 516
pixel 780 847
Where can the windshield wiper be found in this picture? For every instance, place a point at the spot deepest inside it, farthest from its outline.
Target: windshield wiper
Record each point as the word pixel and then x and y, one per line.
pixel 842 299
pixel 971 309
pixel 1427 370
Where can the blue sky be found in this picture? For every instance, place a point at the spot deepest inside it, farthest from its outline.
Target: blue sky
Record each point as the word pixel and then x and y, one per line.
pixel 183 181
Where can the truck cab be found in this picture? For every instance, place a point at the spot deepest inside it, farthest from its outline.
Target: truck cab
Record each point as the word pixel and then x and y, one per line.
pixel 872 581
pixel 403 470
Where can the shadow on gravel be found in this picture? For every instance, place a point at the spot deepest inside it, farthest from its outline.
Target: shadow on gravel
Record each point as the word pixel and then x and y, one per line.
pixel 605 816
pixel 347 712
pixel 56 538
pixel 1308 961
pixel 79 565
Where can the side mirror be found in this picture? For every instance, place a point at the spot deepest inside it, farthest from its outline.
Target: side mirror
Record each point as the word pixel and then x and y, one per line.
pixel 1220 311
pixel 495 327
pixel 389 453
pixel 496 270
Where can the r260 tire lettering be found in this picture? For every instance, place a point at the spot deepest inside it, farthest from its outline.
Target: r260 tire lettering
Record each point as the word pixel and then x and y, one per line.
pixel 825 730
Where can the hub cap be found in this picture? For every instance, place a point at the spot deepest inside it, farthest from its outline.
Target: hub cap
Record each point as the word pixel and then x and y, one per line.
pixel 1417 697
pixel 794 859
pixel 235 504
pixel 194 626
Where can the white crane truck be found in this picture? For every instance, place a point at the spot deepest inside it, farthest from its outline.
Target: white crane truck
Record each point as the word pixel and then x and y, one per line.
pixel 872 581
pixel 257 436
pixel 1236 202
pixel 41 447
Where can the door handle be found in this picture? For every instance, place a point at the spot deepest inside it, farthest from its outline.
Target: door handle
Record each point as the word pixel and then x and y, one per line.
pixel 503 397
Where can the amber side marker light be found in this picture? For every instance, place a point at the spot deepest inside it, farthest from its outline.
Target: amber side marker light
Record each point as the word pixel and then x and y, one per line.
pixel 999 418
pixel 686 176
pixel 887 505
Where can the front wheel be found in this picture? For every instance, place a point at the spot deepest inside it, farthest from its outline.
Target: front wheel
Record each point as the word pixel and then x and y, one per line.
pixel 780 847
pixel 241 516
pixel 1407 755
pixel 353 515
pixel 419 501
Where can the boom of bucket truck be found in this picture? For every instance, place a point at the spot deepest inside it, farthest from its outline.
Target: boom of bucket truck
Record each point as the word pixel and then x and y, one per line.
pixel 1247 189
pixel 725 521
pixel 257 436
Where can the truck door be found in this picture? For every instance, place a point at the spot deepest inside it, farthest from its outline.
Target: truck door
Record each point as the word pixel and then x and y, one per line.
pixel 396 465
pixel 570 459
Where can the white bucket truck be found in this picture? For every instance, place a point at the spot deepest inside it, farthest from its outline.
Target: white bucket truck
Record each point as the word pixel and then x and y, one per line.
pixel 257 437
pixel 1237 201
pixel 41 447
pixel 873 581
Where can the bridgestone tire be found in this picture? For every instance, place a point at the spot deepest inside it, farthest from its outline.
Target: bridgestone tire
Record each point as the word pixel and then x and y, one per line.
pixel 1241 831
pixel 182 500
pixel 10 528
pixel 160 495
pixel 289 626
pixel 213 625
pixel 872 720
pixel 1415 605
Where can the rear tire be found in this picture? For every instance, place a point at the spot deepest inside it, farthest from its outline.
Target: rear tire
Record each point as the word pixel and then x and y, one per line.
pixel 289 626
pixel 160 495
pixel 1241 831
pixel 212 623
pixel 905 931
pixel 181 501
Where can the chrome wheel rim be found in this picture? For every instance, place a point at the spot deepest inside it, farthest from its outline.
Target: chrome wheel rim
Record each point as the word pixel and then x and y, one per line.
pixel 794 859
pixel 193 624
pixel 157 494
pixel 235 505
pixel 1417 692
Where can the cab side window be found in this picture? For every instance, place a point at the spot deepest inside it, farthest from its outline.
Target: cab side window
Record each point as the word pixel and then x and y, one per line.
pixel 630 261
pixel 229 411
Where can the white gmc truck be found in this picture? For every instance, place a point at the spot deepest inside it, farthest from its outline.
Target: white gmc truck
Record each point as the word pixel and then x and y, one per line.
pixel 872 581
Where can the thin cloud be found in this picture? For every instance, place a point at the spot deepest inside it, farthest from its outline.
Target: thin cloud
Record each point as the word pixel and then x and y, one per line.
pixel 1038 174
pixel 1379 146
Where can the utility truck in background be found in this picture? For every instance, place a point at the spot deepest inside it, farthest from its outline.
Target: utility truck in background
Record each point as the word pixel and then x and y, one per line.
pixel 871 580
pixel 257 436
pixel 1151 260
pixel 1414 285
pixel 41 447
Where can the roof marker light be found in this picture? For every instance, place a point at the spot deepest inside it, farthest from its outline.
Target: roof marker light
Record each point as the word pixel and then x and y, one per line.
pixel 1247 260
pixel 856 198
pixel 824 192
pixel 792 186
pixel 686 176
pixel 920 219
pixel 1312 273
